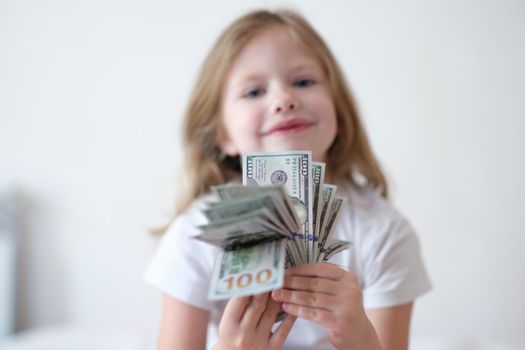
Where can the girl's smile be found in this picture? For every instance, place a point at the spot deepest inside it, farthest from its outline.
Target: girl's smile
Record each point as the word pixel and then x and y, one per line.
pixel 288 127
pixel 276 98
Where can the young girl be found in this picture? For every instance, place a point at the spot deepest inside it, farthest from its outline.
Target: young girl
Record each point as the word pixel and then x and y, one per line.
pixel 271 84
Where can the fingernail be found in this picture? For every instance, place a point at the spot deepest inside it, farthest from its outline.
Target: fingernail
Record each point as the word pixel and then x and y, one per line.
pixel 276 293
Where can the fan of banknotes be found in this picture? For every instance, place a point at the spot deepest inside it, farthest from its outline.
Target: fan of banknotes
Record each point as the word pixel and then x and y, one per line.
pixel 282 216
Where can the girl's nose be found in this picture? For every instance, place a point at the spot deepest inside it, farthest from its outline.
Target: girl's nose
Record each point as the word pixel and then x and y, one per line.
pixel 285 106
pixel 285 102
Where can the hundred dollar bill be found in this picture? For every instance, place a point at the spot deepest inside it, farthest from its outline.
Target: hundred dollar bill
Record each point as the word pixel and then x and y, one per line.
pixel 326 234
pixel 292 170
pixel 318 171
pixel 333 248
pixel 280 199
pixel 238 207
pixel 285 212
pixel 242 230
pixel 327 195
pixel 237 191
pixel 248 271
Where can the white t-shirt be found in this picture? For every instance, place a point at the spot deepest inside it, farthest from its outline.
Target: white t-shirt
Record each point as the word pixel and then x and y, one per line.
pixel 385 255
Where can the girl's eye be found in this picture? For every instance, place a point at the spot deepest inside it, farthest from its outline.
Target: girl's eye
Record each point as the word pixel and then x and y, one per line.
pixel 254 93
pixel 303 82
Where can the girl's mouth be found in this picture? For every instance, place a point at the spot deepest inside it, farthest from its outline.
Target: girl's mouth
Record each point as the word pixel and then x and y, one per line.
pixel 287 127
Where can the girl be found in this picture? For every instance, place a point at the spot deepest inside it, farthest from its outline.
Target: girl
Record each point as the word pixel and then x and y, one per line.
pixel 271 84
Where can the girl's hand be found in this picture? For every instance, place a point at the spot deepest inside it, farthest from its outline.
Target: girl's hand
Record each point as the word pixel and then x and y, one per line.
pixel 247 324
pixel 330 297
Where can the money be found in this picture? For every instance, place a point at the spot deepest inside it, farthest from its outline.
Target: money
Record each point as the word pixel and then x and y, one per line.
pixel 232 232
pixel 292 171
pixel 318 170
pixel 248 271
pixel 333 215
pixel 327 195
pixel 239 207
pixel 283 206
pixel 334 248
pixel 282 216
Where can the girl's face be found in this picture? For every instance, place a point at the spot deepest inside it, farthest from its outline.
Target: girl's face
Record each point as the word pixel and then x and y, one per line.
pixel 276 98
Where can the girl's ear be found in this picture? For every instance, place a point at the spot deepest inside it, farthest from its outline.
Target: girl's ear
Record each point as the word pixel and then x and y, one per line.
pixel 226 145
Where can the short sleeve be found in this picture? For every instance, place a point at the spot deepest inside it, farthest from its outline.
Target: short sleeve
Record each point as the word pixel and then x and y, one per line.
pixel 182 265
pixel 394 270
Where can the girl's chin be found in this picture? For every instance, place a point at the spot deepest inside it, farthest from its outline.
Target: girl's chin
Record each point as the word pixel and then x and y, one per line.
pixel 288 148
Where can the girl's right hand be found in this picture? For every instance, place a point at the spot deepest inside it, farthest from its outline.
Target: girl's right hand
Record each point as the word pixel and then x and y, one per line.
pixel 247 324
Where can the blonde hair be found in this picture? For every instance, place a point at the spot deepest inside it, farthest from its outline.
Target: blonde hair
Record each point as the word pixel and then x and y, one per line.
pixel 349 158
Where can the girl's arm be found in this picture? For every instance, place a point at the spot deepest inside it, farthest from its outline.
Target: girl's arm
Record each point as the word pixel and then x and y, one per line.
pixel 182 326
pixel 392 325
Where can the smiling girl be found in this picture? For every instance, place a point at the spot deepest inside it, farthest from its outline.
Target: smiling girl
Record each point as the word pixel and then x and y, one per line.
pixel 271 84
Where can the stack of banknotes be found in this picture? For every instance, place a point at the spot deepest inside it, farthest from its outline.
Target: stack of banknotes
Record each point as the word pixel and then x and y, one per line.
pixel 282 216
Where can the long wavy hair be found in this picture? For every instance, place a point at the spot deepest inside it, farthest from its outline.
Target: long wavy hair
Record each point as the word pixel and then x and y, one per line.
pixel 349 158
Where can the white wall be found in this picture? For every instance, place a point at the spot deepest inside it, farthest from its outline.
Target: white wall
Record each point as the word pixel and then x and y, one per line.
pixel 91 94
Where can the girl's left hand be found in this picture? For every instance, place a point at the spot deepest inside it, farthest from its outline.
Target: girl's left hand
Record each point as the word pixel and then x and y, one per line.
pixel 330 297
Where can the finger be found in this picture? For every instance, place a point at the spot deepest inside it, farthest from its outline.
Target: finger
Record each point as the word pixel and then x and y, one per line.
pixel 254 310
pixel 281 333
pixel 315 300
pixel 235 308
pixel 320 316
pixel 317 270
pixel 312 284
pixel 270 315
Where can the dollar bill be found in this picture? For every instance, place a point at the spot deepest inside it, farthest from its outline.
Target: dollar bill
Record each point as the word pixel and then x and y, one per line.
pixel 248 271
pixel 327 195
pixel 318 171
pixel 236 200
pixel 327 231
pixel 333 248
pixel 238 207
pixel 241 230
pixel 283 206
pixel 292 171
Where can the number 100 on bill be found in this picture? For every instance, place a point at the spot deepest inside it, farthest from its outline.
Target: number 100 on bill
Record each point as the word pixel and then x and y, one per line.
pixel 248 271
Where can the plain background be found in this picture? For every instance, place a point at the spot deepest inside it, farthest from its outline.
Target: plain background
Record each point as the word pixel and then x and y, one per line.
pixel 91 97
